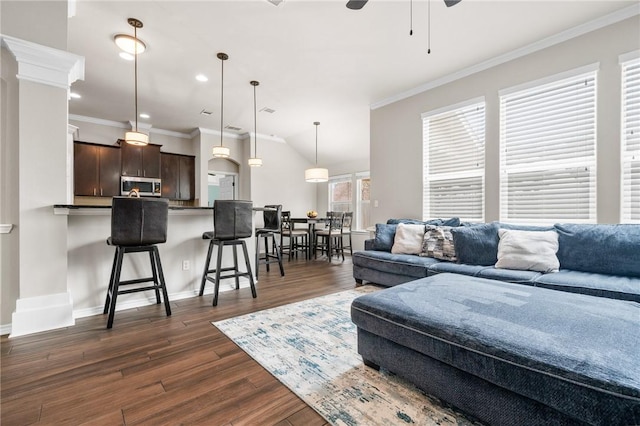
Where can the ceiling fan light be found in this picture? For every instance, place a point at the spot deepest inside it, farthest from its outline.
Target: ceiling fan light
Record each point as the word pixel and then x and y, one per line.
pixel 136 138
pixel 220 151
pixel 316 174
pixel 127 43
pixel 255 162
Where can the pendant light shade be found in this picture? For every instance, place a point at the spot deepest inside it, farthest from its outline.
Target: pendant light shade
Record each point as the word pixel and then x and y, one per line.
pixel 221 151
pixel 316 174
pixel 255 161
pixel 134 137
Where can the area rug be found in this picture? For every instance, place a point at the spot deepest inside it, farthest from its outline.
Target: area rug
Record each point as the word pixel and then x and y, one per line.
pixel 311 348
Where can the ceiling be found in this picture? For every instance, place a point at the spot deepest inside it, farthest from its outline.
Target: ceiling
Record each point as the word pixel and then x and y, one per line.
pixel 315 60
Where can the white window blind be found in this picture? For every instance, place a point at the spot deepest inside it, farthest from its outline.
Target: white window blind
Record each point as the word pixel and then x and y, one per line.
pixel 453 162
pixel 631 141
pixel 548 152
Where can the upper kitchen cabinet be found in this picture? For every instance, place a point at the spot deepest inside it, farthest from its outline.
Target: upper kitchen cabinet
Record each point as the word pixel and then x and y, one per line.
pixel 143 161
pixel 178 176
pixel 96 170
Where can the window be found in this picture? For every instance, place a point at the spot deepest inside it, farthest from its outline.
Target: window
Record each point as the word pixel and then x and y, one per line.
pixel 548 150
pixel 453 162
pixel 341 193
pixel 631 140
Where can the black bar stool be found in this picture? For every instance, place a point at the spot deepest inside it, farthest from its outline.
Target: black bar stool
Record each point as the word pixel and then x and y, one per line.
pixel 272 223
pixel 232 220
pixel 137 225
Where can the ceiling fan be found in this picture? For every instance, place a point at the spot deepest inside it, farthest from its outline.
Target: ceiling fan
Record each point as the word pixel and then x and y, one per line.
pixel 359 4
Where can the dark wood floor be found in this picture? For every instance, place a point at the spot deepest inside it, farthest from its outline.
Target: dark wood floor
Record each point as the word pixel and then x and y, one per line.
pixel 154 370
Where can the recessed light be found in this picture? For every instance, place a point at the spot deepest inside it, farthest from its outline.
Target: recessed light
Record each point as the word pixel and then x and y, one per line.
pixel 202 77
pixel 127 56
pixel 75 95
pixel 143 115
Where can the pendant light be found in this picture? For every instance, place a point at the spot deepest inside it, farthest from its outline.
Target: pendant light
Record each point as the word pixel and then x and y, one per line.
pixel 316 174
pixel 134 137
pixel 255 161
pixel 221 151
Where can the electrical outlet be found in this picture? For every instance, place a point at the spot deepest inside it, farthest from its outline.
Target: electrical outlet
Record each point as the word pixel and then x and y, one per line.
pixel 185 265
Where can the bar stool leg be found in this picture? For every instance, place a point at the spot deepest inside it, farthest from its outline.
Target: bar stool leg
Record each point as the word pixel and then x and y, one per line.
pixel 154 274
pixel 163 285
pixel 257 256
pixel 114 293
pixel 206 268
pixel 107 302
pixel 266 251
pixel 218 267
pixel 279 255
pixel 236 271
pixel 246 261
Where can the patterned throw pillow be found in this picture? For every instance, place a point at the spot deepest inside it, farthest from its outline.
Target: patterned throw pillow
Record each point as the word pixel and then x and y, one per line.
pixel 438 243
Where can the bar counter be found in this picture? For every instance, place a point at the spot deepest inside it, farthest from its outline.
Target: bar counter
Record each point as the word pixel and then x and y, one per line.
pixel 183 255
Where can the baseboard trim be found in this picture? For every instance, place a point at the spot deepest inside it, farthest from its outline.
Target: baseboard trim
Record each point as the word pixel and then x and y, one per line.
pixel 42 313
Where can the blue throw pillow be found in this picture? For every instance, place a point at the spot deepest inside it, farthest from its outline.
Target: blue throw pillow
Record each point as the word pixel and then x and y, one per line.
pixel 454 221
pixel 385 235
pixel 602 249
pixel 476 244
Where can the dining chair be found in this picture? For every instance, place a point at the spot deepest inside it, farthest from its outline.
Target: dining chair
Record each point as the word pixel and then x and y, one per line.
pixel 137 225
pixel 272 216
pixel 328 238
pixel 298 238
pixel 347 223
pixel 232 224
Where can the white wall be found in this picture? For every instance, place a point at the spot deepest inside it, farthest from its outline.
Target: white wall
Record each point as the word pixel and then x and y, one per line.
pixel 396 129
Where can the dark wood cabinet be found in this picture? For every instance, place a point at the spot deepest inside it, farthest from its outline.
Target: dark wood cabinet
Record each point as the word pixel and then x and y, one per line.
pixel 96 170
pixel 178 176
pixel 143 161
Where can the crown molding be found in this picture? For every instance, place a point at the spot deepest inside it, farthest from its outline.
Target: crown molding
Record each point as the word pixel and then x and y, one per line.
pixel 120 125
pixel 205 131
pixel 43 64
pixel 563 36
pixel 272 138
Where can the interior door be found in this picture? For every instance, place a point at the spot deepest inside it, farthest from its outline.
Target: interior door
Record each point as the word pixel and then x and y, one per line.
pixel 227 188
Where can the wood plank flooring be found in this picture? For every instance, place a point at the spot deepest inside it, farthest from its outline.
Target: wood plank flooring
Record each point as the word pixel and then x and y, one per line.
pixel 153 370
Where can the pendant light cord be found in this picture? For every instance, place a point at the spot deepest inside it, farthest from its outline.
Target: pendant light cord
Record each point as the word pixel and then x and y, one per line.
pixel 255 123
pixel 411 17
pixel 135 72
pixel 222 102
pixel 429 30
pixel 316 143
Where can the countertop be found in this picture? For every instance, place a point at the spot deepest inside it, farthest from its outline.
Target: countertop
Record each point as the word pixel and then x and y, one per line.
pixel 100 210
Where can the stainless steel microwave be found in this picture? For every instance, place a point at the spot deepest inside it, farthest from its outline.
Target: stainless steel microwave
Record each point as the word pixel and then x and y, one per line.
pixel 146 187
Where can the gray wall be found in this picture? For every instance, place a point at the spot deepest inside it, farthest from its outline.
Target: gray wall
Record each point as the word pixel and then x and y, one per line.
pixel 396 129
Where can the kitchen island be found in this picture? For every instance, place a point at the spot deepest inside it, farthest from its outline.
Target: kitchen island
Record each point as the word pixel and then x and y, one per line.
pixel 183 256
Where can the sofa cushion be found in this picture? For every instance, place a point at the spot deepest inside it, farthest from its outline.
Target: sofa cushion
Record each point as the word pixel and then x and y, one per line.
pixel 603 249
pixel 385 233
pixel 401 264
pixel 408 239
pixel 572 352
pixel 611 286
pixel 438 243
pixel 477 244
pixel 456 268
pixel 509 275
pixel 528 250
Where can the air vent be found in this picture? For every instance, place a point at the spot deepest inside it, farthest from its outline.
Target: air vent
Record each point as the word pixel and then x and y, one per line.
pixel 205 112
pixel 234 128
pixel 268 110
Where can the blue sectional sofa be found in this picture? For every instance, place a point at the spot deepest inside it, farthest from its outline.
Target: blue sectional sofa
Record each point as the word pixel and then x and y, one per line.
pixel 600 260
pixel 505 346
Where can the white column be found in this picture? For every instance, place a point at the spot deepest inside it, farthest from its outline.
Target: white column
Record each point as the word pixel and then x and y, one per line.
pixel 44 79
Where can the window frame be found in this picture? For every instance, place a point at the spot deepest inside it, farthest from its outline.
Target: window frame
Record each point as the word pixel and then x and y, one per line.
pixel 629 125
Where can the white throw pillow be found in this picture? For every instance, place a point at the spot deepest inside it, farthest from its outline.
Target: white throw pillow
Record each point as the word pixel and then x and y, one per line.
pixel 528 250
pixel 408 239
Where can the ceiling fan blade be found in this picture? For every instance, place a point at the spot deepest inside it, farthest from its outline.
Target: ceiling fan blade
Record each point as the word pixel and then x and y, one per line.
pixel 357 4
pixel 450 3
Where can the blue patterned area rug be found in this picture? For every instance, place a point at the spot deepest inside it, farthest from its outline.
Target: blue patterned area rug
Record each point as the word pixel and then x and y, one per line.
pixel 311 348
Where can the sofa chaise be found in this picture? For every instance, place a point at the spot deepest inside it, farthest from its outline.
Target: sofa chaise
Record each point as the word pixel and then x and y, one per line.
pixel 504 346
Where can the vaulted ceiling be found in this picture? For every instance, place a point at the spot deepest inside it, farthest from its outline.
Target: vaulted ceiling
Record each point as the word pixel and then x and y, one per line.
pixel 315 60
